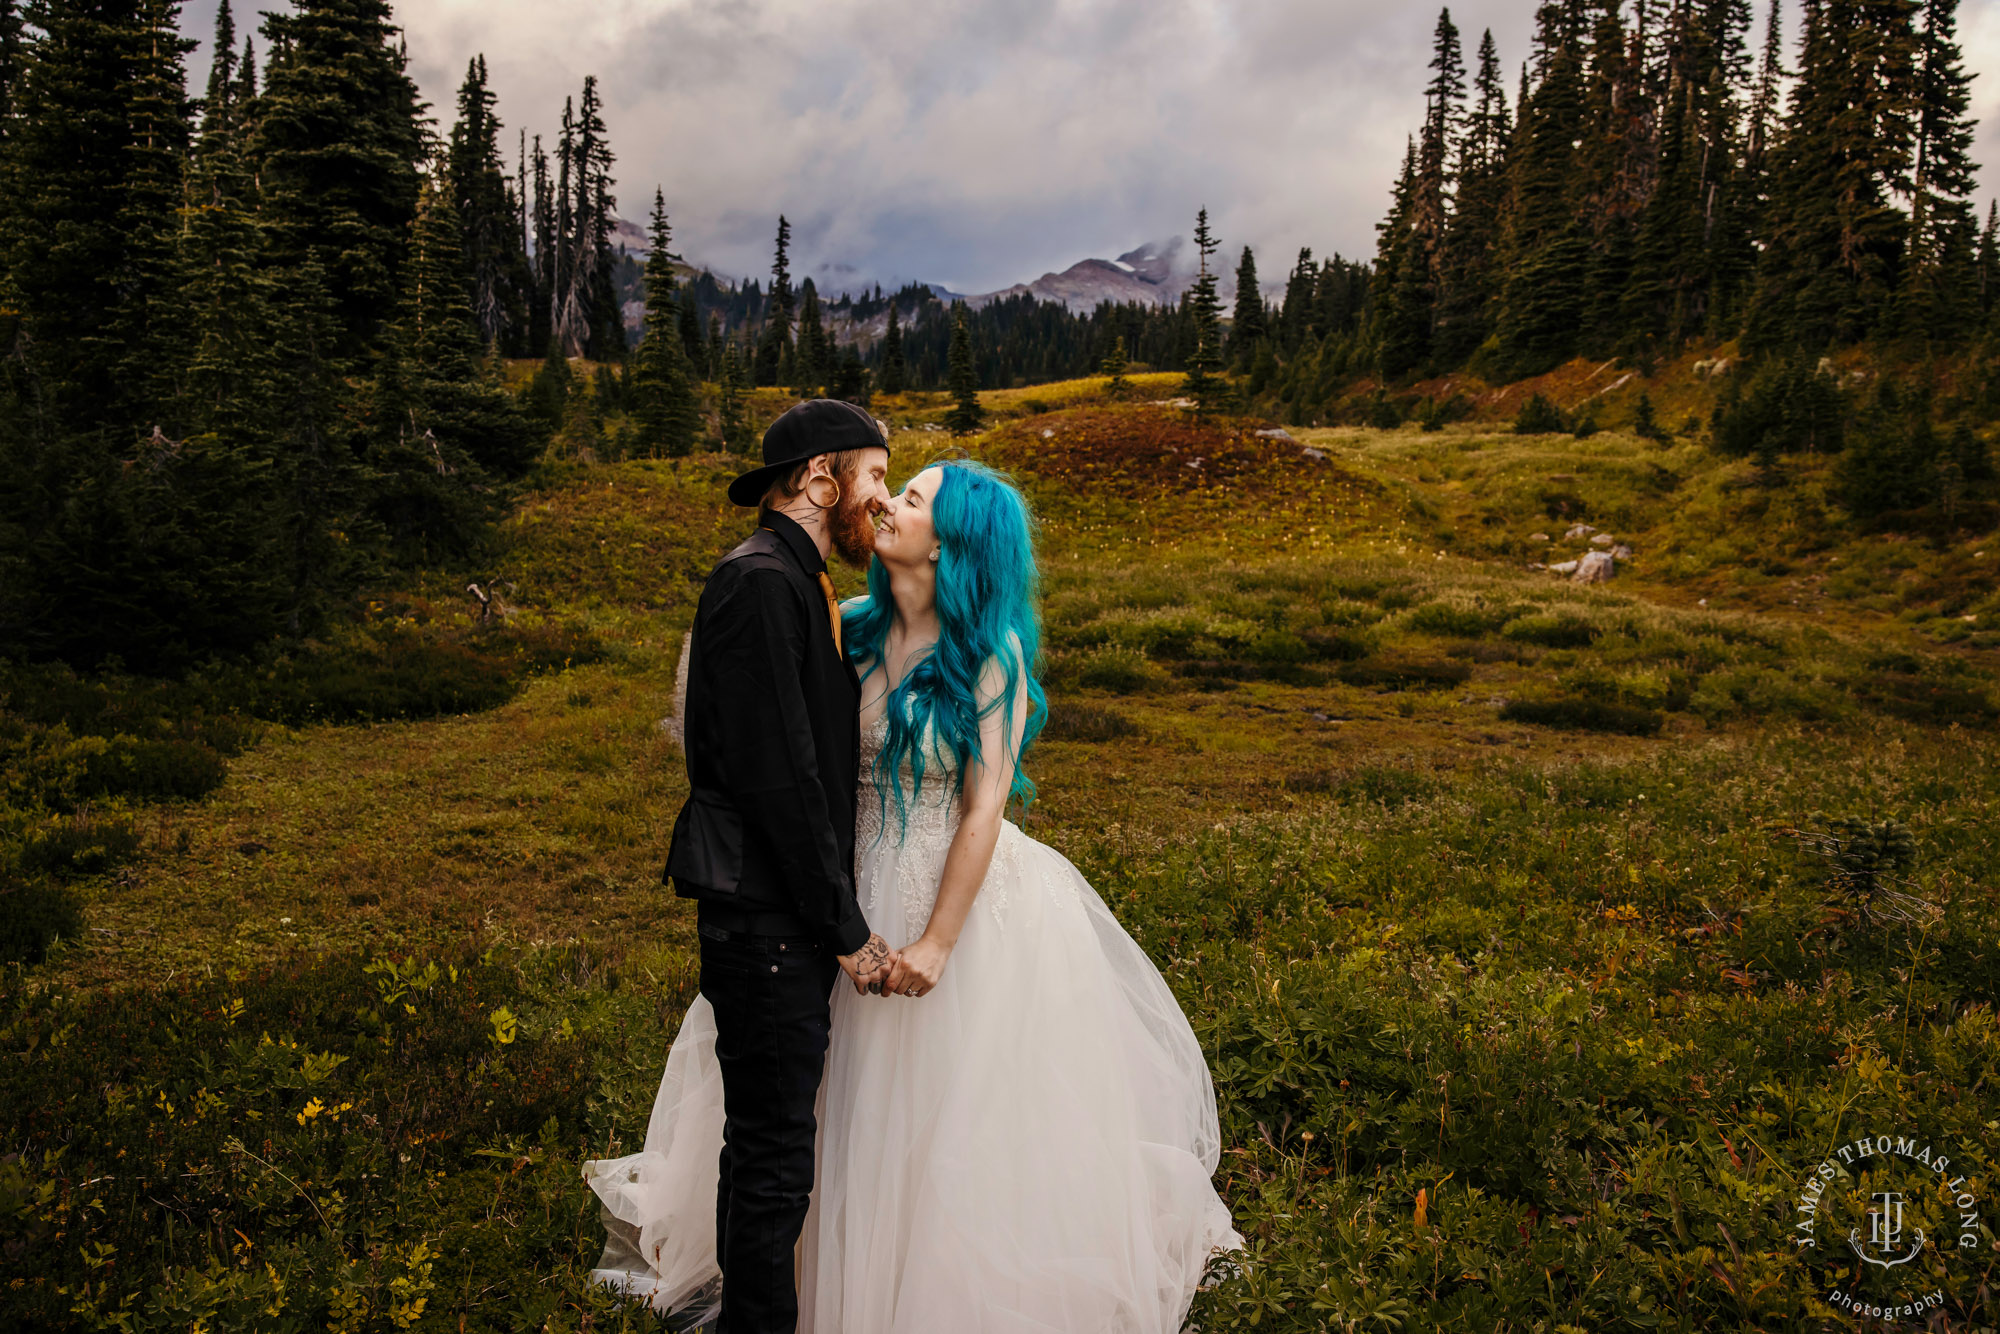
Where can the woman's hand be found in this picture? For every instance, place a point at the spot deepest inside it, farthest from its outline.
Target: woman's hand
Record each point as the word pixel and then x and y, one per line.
pixel 918 969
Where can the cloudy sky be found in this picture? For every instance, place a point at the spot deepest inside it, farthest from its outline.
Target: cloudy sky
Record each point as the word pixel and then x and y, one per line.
pixel 977 143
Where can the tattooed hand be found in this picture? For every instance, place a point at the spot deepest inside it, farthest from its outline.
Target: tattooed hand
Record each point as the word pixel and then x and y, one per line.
pixel 867 966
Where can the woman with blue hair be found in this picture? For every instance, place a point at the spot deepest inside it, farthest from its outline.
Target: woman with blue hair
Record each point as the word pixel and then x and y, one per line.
pixel 1018 1133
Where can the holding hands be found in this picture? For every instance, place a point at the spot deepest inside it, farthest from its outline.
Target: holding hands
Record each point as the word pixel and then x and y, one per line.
pixel 917 969
pixel 868 966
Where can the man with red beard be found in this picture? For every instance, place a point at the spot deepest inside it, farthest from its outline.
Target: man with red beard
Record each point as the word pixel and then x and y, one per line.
pixel 765 843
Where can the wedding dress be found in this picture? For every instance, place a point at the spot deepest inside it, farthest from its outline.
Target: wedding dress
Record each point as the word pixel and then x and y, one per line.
pixel 1026 1148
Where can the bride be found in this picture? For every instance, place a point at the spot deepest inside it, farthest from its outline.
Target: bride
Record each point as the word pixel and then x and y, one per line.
pixel 1018 1133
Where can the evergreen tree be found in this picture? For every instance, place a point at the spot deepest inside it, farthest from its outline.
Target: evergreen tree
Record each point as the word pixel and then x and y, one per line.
pixel 336 146
pixel 1938 276
pixel 1204 383
pixel 595 269
pixel 544 259
pixel 1466 294
pixel 1835 236
pixel 815 354
pixel 732 420
pixel 664 399
pixel 894 369
pixel 1247 327
pixel 221 93
pixel 1988 259
pixel 966 414
pixel 1115 366
pixel 454 417
pixel 1544 250
pixel 488 213
pixel 850 377
pixel 1296 318
pixel 692 341
pixel 1402 318
pixel 774 350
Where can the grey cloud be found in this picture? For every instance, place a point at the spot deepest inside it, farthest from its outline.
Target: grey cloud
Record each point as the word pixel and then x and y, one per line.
pixel 981 142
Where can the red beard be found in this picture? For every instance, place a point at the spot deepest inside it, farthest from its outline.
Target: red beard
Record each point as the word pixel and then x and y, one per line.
pixel 852 532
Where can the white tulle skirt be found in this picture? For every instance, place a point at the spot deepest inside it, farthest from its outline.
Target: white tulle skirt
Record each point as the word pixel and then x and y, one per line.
pixel 1027 1148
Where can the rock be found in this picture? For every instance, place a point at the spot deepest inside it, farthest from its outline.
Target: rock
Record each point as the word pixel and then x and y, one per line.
pixel 1578 530
pixel 1563 567
pixel 1275 433
pixel 1047 433
pixel 1315 455
pixel 1536 565
pixel 1538 537
pixel 1596 567
pixel 1602 540
pixel 1621 552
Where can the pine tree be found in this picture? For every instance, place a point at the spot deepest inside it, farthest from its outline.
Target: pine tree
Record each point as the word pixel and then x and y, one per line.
pixel 595 268
pixel 895 370
pixel 1204 383
pixel 664 400
pixel 692 342
pixel 1937 279
pixel 1988 259
pixel 1296 318
pixel 1247 325
pixel 545 259
pixel 488 213
pixel 1115 364
pixel 1463 318
pixel 774 350
pixel 1544 250
pixel 1835 236
pixel 966 414
pixel 215 105
pixel 336 147
pixel 732 421
pixel 453 397
pixel 815 354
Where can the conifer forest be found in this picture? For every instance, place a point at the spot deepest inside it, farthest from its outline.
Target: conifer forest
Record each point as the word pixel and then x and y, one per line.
pixel 1530 689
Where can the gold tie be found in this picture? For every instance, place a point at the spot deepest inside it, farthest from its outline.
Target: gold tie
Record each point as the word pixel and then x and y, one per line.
pixel 832 608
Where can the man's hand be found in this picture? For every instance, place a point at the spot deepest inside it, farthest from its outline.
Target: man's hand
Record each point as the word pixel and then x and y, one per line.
pixel 869 965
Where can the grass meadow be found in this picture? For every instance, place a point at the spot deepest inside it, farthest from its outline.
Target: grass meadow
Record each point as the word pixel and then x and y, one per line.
pixel 1543 938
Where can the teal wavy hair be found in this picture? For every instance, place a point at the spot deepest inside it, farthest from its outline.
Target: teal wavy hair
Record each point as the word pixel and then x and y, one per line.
pixel 988 608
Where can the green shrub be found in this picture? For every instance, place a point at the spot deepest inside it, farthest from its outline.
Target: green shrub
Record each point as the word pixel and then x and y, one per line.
pixel 1446 618
pixel 34 914
pixel 1551 631
pixel 1538 416
pixel 1584 714
pixel 1071 721
pixel 80 845
pixel 1404 673
pixel 1921 699
pixel 154 770
pixel 1122 671
pixel 1337 645
pixel 1385 785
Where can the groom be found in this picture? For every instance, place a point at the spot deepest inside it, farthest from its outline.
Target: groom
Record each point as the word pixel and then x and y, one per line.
pixel 765 843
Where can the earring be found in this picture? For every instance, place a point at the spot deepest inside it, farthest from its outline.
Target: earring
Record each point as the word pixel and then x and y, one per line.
pixel 934 555
pixel 836 492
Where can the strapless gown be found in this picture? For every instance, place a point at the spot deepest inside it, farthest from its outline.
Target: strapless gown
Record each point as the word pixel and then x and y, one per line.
pixel 1029 1147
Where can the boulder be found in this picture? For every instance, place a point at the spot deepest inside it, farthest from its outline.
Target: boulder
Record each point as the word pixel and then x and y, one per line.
pixel 1596 567
pixel 1274 433
pixel 1563 567
pixel 1538 537
pixel 1578 530
pixel 1602 540
pixel 1315 455
pixel 1621 552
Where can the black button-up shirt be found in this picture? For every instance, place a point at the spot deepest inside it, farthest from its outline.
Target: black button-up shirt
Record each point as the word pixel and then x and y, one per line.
pixel 773 741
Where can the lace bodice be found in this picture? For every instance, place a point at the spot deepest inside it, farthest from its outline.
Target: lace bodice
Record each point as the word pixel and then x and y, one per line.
pixel 918 844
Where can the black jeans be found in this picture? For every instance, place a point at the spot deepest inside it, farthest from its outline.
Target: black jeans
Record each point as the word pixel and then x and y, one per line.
pixel 770 995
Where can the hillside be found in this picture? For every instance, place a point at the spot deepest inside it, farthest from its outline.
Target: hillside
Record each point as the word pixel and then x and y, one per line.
pixel 1510 911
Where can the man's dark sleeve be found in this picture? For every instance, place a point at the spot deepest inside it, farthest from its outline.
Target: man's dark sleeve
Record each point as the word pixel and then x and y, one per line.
pixel 756 648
